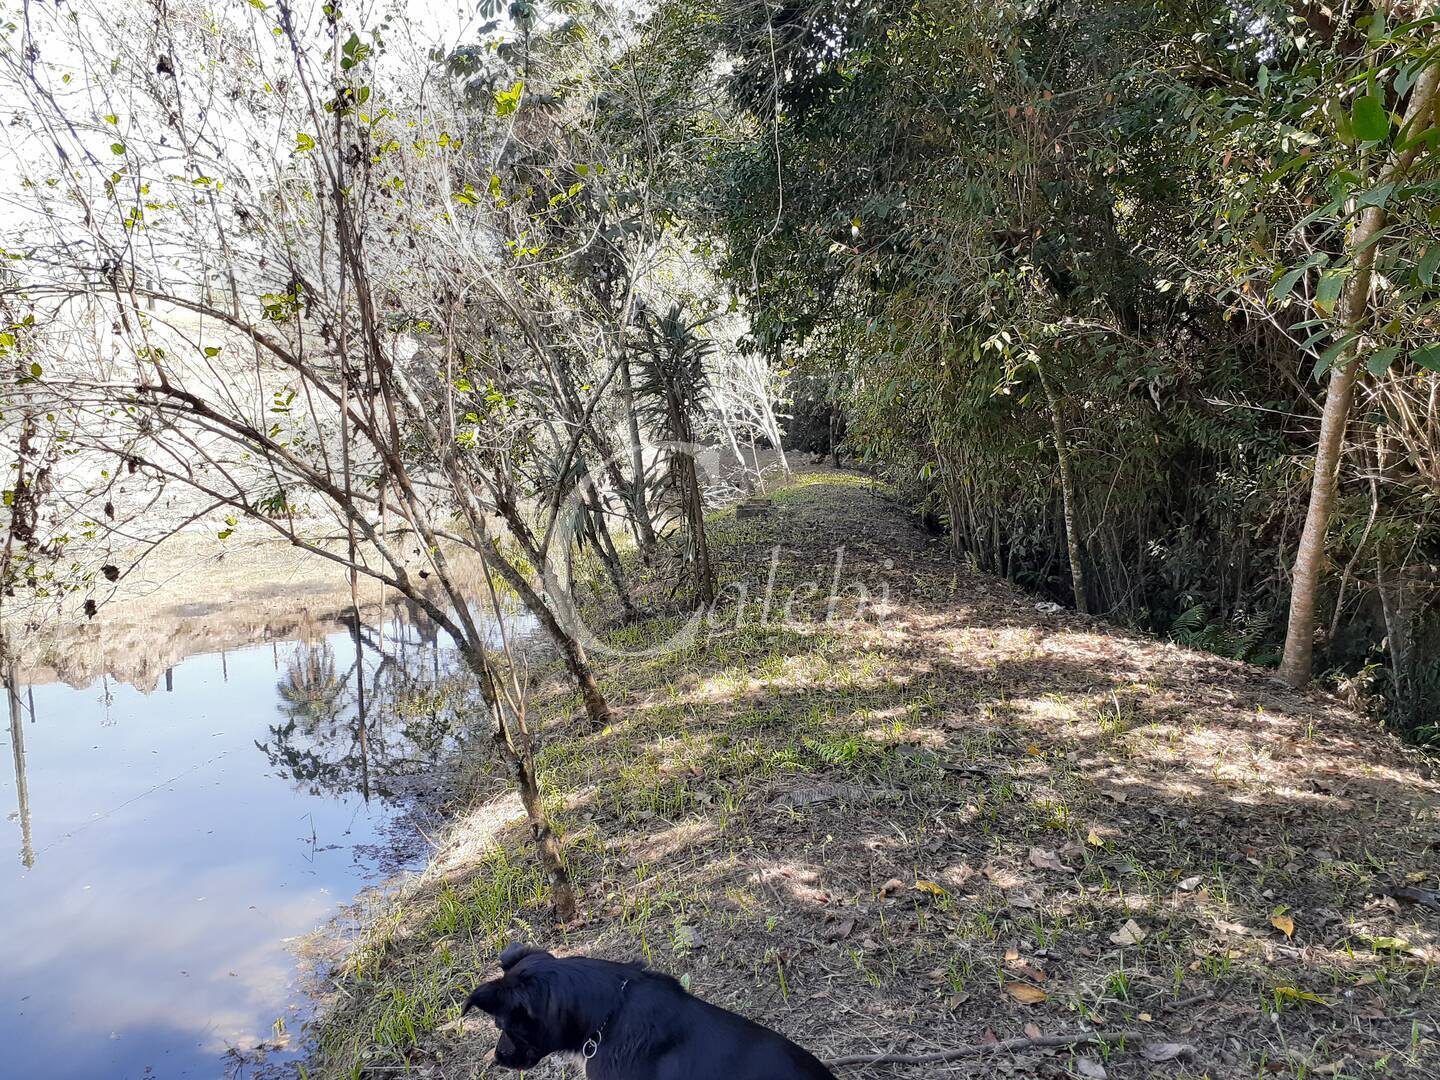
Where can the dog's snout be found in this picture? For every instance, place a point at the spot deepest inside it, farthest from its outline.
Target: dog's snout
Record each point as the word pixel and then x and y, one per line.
pixel 513 1055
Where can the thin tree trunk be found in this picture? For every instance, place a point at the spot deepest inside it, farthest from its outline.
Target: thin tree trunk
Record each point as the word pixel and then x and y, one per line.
pixel 1067 496
pixel 704 576
pixel 571 651
pixel 693 503
pixel 515 748
pixel 1399 641
pixel 609 557
pixel 746 485
pixel 17 750
pixel 639 508
pixel 1354 307
pixel 1296 664
pixel 777 440
pixel 547 842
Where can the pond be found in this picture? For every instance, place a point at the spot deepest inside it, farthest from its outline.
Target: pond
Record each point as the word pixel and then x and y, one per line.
pixel 173 851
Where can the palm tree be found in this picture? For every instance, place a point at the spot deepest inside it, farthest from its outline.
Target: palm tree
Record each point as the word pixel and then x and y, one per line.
pixel 672 386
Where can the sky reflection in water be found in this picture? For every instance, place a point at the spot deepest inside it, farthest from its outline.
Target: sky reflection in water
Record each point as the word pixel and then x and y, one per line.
pixel 172 857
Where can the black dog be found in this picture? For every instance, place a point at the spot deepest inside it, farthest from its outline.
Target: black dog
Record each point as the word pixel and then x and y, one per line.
pixel 628 1023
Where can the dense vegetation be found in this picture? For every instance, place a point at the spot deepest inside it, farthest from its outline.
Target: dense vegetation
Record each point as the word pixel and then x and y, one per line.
pixel 1159 240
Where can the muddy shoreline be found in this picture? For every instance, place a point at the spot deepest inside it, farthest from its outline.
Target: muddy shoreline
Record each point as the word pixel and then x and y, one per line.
pixel 197 594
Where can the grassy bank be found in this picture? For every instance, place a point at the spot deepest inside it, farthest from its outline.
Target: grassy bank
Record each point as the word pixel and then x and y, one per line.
pixel 923 814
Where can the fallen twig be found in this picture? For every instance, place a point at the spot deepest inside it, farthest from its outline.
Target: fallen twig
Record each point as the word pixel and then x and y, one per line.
pixel 1003 1046
pixel 1185 1003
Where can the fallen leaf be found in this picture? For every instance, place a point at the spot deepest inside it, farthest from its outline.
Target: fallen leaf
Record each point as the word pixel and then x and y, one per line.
pixel 1048 860
pixel 1026 971
pixel 989 1038
pixel 1145 1016
pixel 1025 994
pixel 1033 750
pixel 1094 839
pixel 1166 1051
pixel 1290 993
pixel 840 931
pixel 1389 944
pixel 1002 878
pixel 1190 884
pixel 930 888
pixel 959 875
pixel 1284 923
pixel 1129 934
pixel 1032 1031
pixel 891 887
pixel 1090 1068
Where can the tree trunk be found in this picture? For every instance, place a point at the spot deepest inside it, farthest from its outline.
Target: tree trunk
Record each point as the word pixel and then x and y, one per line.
pixel 644 529
pixel 547 842
pixel 692 502
pixel 1067 496
pixel 515 748
pixel 1354 306
pixel 747 486
pixel 704 576
pixel 17 750
pixel 1400 642
pixel 610 558
pixel 571 651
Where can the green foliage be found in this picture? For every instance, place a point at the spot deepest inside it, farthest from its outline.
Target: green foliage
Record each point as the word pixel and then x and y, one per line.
pixel 672 378
pixel 1150 201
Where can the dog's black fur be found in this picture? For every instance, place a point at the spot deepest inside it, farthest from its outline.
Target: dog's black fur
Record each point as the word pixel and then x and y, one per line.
pixel 641 1025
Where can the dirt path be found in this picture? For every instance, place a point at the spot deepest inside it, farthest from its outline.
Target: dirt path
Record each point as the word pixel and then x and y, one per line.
pixel 955 820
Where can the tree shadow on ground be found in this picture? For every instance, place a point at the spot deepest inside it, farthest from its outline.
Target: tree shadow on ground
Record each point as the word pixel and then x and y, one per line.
pixel 870 835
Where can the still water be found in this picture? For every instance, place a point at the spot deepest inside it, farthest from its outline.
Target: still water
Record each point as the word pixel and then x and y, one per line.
pixel 164 851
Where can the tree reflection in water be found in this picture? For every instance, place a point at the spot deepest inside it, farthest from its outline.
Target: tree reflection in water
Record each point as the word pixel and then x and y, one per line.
pixel 397 710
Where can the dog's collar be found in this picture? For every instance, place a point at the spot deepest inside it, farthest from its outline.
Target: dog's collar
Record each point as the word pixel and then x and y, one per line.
pixel 591 1046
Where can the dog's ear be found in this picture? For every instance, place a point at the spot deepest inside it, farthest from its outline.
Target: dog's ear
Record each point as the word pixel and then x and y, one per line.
pixel 487 998
pixel 513 954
